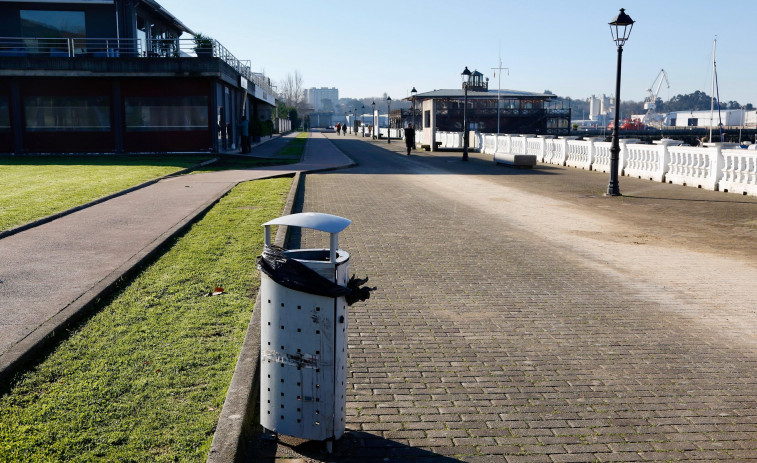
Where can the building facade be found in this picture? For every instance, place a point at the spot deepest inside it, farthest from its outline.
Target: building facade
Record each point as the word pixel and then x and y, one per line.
pixel 322 99
pixel 489 111
pixel 707 118
pixel 116 76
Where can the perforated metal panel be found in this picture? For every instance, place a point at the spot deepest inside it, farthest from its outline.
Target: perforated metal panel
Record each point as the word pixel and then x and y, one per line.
pixel 304 355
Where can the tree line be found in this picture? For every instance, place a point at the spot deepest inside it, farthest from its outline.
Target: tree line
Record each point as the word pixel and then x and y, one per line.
pixel 292 105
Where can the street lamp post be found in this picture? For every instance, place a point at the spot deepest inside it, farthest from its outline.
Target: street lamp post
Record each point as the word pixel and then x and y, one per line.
pixel 414 92
pixel 620 28
pixel 373 118
pixel 388 119
pixel 466 81
pixel 362 118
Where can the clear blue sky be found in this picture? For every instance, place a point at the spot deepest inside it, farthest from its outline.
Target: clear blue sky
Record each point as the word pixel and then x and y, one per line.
pixel 368 48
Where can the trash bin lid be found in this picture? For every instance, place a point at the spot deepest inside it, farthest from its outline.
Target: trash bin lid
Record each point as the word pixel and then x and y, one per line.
pixel 316 220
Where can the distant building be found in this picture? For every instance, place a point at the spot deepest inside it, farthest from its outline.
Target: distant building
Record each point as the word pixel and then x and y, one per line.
pixel 112 76
pixel 321 120
pixel 707 118
pixel 322 99
pixel 519 112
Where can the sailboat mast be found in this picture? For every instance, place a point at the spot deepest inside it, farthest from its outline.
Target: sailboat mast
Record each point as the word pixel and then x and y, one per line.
pixel 712 97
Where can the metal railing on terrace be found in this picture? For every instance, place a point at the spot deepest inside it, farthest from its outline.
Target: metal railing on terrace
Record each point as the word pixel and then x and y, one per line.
pixel 116 48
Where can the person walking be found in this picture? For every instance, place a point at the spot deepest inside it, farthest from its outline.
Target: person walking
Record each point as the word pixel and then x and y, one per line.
pixel 409 138
pixel 338 128
pixel 244 131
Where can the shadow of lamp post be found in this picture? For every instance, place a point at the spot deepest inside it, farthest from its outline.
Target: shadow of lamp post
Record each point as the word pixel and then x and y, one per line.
pixel 620 28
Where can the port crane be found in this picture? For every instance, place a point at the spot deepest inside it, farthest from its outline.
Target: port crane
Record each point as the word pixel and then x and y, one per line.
pixel 650 103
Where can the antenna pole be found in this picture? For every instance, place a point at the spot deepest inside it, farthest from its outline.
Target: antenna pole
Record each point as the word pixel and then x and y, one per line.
pixel 499 86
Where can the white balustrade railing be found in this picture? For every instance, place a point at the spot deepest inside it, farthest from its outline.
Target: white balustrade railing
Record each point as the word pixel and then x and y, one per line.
pixel 579 153
pixel 601 161
pixel 535 147
pixel 695 166
pixel 489 144
pixel 739 171
pixel 503 143
pixel 420 138
pixel 450 140
pixel 554 151
pixel 646 161
pixel 712 168
pixel 518 145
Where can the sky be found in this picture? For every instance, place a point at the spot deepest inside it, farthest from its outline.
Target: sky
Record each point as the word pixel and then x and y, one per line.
pixel 366 49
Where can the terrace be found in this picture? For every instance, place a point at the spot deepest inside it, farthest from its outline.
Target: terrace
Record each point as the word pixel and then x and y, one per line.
pixel 55 49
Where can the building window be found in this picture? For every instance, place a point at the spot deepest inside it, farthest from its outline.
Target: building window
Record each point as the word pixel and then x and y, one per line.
pixel 49 31
pixel 426 119
pixel 693 122
pixel 79 113
pixel 163 113
pixel 5 116
pixel 53 24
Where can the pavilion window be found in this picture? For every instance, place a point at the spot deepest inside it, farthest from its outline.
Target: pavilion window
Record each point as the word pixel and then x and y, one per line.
pixel 5 116
pixel 77 113
pixel 161 113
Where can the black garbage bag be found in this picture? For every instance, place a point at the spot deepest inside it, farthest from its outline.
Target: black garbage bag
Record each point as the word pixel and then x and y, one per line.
pixel 295 275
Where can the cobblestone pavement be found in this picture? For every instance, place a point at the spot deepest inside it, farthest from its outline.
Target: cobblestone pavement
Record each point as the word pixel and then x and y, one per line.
pixel 510 327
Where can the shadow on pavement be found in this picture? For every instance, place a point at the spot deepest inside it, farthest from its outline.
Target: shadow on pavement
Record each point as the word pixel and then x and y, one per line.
pixel 421 162
pixel 353 447
pixel 692 200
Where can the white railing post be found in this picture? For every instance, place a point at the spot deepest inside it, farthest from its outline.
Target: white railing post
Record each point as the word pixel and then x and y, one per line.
pixel 716 167
pixel 664 160
pixel 543 150
pixel 624 153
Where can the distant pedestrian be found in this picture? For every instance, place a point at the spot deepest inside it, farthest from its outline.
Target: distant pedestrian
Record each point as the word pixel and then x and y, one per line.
pixel 338 128
pixel 409 138
pixel 244 131
pixel 344 129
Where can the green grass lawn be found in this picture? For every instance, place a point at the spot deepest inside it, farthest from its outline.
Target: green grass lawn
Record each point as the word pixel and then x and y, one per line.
pixel 38 186
pixel 144 379
pixel 34 187
pixel 295 148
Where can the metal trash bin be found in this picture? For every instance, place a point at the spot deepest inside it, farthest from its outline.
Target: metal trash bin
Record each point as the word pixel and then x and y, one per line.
pixel 303 338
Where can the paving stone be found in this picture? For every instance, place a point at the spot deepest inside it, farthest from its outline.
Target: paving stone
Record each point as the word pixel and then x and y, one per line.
pixel 500 340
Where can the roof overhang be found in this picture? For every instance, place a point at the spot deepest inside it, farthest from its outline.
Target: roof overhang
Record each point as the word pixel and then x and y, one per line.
pixel 503 93
pixel 165 14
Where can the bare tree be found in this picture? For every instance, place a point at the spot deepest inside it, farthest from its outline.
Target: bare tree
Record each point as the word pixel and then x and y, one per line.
pixel 292 91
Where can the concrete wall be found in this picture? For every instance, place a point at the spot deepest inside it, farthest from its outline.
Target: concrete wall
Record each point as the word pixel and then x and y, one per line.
pixel 428 119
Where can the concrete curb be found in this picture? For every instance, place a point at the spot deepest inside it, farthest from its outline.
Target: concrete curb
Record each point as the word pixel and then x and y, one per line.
pixel 238 414
pixel 58 215
pixel 17 355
